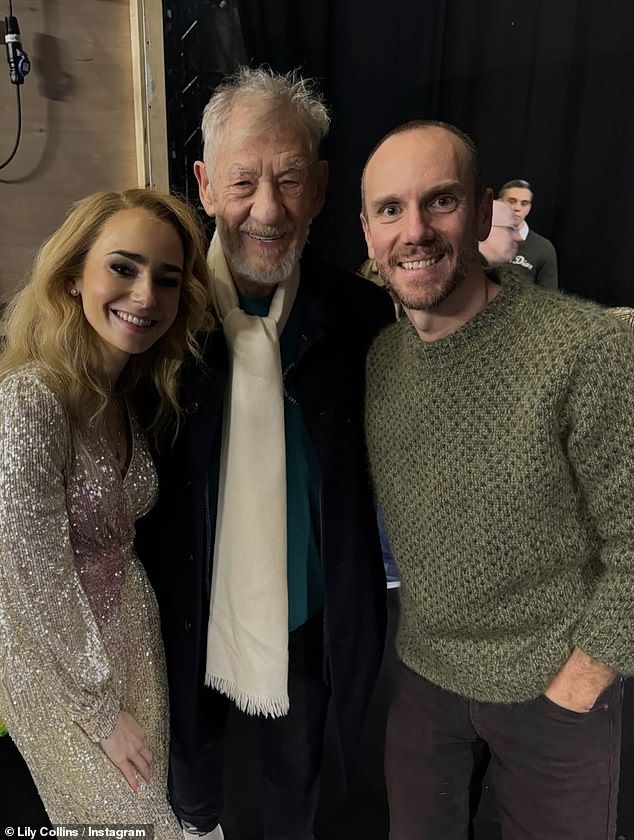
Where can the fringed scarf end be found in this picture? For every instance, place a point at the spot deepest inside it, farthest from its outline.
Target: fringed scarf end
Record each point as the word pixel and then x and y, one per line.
pixel 250 704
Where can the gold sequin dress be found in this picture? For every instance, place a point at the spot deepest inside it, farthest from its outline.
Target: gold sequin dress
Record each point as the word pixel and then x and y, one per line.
pixel 79 629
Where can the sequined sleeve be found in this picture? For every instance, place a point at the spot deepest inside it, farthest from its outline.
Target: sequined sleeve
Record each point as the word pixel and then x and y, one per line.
pixel 43 607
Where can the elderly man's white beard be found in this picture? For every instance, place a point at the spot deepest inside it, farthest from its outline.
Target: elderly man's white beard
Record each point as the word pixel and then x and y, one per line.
pixel 267 274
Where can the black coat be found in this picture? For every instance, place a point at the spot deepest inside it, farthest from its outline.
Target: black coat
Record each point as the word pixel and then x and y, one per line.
pixel 342 313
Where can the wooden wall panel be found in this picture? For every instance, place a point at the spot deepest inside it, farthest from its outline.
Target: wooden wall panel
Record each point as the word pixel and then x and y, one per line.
pixel 78 131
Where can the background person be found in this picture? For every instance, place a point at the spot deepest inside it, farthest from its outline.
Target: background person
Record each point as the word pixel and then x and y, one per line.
pixel 501 244
pixel 116 295
pixel 536 257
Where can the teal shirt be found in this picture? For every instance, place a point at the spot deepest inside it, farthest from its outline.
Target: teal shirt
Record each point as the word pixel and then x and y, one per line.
pixel 305 578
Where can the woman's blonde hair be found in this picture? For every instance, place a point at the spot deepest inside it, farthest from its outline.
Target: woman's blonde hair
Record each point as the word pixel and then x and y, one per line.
pixel 45 326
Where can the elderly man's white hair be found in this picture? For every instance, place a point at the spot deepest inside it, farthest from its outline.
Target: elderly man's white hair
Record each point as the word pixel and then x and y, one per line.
pixel 272 92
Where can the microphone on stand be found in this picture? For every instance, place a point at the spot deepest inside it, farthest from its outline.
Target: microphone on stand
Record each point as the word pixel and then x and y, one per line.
pixel 19 64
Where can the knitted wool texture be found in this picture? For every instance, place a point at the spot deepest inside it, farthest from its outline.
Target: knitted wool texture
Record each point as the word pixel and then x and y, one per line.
pixel 503 459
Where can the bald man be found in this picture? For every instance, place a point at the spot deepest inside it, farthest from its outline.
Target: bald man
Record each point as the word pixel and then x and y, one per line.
pixel 499 421
pixel 501 244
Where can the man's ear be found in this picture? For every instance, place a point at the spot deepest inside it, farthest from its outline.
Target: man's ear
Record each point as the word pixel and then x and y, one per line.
pixel 321 183
pixel 368 238
pixel 204 188
pixel 485 215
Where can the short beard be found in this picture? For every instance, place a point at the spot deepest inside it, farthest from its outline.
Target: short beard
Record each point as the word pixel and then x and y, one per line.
pixel 410 300
pixel 265 275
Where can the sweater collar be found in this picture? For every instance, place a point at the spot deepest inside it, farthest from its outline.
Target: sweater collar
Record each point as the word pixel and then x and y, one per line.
pixel 477 332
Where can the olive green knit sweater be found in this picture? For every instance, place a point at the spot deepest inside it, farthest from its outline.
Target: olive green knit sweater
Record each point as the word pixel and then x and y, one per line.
pixel 503 459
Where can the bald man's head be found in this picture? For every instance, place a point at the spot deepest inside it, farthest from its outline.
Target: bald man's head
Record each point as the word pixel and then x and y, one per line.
pixel 502 243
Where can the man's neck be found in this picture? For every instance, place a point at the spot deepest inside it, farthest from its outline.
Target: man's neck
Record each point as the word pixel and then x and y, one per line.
pixel 463 304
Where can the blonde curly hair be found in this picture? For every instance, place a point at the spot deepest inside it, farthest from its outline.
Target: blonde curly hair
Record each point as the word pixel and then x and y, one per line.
pixel 44 326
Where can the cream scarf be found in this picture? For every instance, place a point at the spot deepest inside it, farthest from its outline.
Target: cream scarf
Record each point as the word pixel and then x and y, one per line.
pixel 247 637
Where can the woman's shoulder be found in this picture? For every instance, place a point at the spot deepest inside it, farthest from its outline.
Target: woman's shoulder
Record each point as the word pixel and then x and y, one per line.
pixel 26 379
pixel 27 390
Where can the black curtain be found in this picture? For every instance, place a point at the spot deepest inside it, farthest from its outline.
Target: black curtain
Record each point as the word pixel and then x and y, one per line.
pixel 542 87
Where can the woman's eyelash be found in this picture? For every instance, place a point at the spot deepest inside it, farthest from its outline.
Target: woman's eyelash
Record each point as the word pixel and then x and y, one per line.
pixel 123 268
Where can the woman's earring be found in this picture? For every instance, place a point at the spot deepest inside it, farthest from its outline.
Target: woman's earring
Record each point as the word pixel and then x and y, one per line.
pixel 74 292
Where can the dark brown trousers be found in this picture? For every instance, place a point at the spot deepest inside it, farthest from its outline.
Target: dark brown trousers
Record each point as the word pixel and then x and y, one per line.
pixel 555 771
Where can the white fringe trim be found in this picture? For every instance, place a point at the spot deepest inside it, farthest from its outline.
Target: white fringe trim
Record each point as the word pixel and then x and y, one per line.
pixel 249 703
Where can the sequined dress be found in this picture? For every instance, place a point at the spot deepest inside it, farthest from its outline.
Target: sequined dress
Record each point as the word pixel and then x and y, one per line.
pixel 79 628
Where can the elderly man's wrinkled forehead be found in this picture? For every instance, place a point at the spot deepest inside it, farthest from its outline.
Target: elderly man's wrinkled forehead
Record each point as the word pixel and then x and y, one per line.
pixel 250 121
